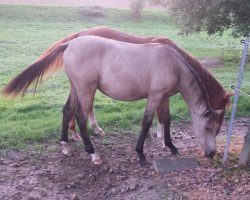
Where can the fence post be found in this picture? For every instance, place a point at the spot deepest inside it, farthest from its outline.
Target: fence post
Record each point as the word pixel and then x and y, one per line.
pixel 236 95
pixel 245 152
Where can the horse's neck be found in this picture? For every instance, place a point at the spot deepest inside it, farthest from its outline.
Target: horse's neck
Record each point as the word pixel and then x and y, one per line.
pixel 215 91
pixel 192 94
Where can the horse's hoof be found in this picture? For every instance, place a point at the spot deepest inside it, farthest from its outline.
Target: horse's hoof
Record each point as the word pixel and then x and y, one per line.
pixel 144 162
pixel 163 144
pixel 75 137
pixel 100 133
pixel 67 153
pixel 66 149
pixel 96 159
pixel 98 162
pixel 175 152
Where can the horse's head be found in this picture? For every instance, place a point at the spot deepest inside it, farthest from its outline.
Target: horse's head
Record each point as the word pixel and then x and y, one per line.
pixel 206 127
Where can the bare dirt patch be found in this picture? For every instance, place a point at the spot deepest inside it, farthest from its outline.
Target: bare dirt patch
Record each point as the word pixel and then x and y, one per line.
pixel 50 175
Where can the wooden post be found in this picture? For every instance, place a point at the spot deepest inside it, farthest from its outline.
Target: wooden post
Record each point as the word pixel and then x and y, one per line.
pixel 245 152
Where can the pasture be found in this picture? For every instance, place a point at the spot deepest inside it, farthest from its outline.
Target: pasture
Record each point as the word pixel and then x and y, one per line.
pixel 30 126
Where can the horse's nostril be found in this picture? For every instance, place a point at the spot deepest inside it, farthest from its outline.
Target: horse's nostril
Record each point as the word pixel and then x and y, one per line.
pixel 210 154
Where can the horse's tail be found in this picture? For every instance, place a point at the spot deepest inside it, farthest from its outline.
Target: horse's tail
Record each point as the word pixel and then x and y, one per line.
pixel 59 42
pixel 45 65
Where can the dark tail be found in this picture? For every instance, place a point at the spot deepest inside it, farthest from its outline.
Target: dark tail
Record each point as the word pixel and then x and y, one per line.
pixel 45 65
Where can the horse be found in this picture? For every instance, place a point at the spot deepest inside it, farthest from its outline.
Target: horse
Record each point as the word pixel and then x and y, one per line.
pixel 218 97
pixel 128 72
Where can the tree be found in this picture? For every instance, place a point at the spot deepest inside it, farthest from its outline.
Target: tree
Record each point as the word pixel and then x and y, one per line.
pixel 212 16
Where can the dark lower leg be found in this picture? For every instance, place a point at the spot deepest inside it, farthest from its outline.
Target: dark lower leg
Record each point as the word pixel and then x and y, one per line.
pixel 147 121
pixel 67 115
pixel 167 137
pixel 82 123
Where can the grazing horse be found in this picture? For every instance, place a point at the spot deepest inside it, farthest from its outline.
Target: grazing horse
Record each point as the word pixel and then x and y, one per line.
pixel 128 72
pixel 218 98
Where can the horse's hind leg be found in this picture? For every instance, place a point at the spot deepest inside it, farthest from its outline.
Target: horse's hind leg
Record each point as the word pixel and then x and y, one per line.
pixel 82 123
pixel 160 127
pixel 83 109
pixel 164 114
pixel 72 127
pixel 68 112
pixel 94 125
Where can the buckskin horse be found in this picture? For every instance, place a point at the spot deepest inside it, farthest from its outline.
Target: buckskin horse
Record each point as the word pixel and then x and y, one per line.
pixel 218 98
pixel 128 72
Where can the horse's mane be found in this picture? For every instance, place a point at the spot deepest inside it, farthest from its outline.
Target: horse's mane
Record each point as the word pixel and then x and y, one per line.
pixel 213 87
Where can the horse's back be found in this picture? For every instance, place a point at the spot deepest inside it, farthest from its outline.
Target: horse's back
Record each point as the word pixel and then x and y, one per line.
pixel 110 33
pixel 121 70
pixel 106 54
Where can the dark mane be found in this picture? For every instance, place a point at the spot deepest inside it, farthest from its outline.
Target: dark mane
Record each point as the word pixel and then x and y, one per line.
pixel 204 94
pixel 213 88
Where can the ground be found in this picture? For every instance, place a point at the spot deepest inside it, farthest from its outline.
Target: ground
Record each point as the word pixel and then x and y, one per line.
pixel 47 174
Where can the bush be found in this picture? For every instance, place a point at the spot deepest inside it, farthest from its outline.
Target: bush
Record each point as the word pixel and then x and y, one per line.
pixel 136 7
pixel 92 11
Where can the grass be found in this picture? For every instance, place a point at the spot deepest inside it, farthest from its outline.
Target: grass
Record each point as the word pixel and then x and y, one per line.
pixel 26 31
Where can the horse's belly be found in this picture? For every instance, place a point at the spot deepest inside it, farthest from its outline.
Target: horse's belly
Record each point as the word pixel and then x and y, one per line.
pixel 124 92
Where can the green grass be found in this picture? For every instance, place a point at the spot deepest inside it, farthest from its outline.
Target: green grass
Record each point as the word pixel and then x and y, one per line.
pixel 26 31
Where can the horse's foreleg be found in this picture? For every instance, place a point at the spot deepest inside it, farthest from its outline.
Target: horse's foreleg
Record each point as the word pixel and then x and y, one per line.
pixel 164 114
pixel 146 123
pixel 152 104
pixel 94 125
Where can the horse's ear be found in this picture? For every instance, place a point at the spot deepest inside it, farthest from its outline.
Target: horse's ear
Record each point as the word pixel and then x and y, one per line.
pixel 228 95
pixel 227 99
